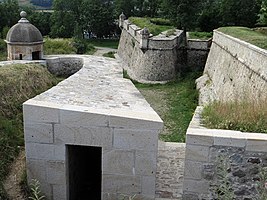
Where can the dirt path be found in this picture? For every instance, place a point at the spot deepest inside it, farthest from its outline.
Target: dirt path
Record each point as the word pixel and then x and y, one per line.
pixel 102 50
pixel 11 184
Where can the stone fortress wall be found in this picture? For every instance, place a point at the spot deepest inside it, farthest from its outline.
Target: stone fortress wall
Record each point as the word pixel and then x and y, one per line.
pixel 234 70
pixel 160 58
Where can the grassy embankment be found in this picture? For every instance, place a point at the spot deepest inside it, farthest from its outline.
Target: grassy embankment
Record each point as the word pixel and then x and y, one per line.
pixel 257 36
pixel 17 84
pixel 249 115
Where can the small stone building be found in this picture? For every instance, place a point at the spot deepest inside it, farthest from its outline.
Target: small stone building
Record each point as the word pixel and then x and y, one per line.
pixel 24 41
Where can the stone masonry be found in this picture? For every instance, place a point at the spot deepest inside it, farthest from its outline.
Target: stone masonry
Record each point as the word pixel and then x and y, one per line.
pixel 94 107
pixel 223 162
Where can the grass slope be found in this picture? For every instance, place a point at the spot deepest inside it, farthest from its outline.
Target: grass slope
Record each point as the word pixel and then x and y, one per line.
pixel 175 102
pixel 17 84
pixel 253 36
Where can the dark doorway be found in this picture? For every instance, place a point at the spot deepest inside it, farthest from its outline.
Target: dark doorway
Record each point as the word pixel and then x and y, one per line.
pixel 84 172
pixel 36 55
pixel 20 56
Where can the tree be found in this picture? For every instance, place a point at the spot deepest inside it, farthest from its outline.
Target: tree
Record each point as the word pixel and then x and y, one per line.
pixel 9 10
pixel 263 13
pixel 183 13
pixel 240 12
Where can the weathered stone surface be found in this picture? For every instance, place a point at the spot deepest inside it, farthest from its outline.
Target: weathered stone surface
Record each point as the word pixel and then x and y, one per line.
pixel 234 70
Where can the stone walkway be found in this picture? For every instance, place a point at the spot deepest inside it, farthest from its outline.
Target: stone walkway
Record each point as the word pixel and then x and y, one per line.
pixel 170 168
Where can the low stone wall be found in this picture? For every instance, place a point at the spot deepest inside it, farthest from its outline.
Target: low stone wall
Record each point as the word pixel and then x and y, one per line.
pixel 63 66
pixel 155 59
pixel 197 53
pixel 213 156
pixel 234 70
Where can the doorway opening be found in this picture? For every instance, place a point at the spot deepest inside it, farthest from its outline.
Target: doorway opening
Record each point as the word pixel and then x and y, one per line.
pixel 84 172
pixel 20 56
pixel 36 55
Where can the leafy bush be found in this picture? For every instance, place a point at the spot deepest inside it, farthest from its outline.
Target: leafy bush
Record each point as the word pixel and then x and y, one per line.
pixel 3 50
pixel 246 116
pixel 161 21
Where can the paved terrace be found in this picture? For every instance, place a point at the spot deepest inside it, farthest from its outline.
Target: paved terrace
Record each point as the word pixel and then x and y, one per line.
pixel 99 87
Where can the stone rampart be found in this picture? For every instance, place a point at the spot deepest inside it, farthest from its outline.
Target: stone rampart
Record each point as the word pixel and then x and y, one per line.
pixel 234 70
pixel 222 158
pixel 152 58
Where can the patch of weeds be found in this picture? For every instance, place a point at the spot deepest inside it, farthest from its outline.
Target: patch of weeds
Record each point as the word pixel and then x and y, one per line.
pixel 155 29
pixel 175 102
pixel 35 193
pixel 224 188
pixel 245 116
pixel 24 185
pixel 170 32
pixel 110 54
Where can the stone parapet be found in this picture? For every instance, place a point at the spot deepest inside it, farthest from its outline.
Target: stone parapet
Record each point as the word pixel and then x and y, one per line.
pixel 214 155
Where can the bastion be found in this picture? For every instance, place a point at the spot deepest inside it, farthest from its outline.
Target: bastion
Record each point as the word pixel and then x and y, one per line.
pixel 93 136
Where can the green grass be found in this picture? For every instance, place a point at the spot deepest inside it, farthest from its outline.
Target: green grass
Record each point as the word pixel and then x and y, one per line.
pixel 17 84
pixel 67 46
pixel 155 29
pixel 200 35
pixel 109 54
pixel 175 102
pixel 252 36
pixel 108 43
pixel 245 116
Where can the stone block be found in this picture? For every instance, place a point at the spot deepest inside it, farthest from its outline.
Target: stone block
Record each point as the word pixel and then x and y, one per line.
pixel 56 172
pixel 229 138
pixel 256 145
pixel 40 112
pixel 83 116
pixel 133 120
pixel 149 186
pixel 45 151
pixel 197 153
pixel 192 170
pixel 200 187
pixel 118 162
pixel 36 169
pixel 199 137
pixel 146 163
pixel 41 133
pixel 59 192
pixel 128 185
pixel 135 139
pixel 89 136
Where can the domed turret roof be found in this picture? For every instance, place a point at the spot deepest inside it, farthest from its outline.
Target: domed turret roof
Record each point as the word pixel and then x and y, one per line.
pixel 24 32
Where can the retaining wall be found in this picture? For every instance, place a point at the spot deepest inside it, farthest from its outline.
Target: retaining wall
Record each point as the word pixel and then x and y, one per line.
pixel 234 70
pixel 213 156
